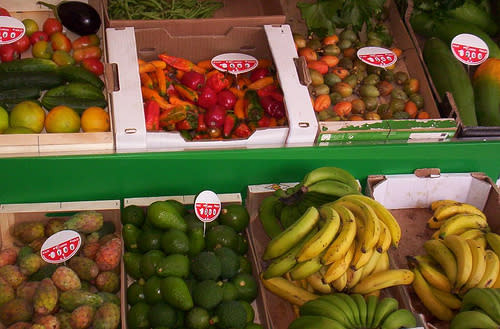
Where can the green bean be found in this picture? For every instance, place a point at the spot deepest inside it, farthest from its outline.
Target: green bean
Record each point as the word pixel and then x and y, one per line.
pixel 158 9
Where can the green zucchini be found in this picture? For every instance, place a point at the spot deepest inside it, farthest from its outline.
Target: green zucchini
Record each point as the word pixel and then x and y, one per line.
pixel 29 65
pixel 42 80
pixel 449 75
pixel 25 93
pixel 77 104
pixel 73 73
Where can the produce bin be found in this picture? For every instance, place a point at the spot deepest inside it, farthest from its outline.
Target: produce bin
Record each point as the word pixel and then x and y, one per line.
pixel 268 42
pixel 447 105
pixel 57 143
pixel 188 200
pixel 408 197
pixel 435 129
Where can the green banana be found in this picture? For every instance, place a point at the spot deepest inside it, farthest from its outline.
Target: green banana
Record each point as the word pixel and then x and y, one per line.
pixel 267 217
pixel 304 269
pixel 371 305
pixel 440 253
pixel 324 308
pixel 315 322
pixel 401 318
pixel 292 235
pixel 352 305
pixel 338 302
pixel 361 304
pixel 333 173
pixel 287 261
pixel 494 242
pixel 289 215
pixel 483 298
pixel 331 187
pixel 472 319
pixel 384 307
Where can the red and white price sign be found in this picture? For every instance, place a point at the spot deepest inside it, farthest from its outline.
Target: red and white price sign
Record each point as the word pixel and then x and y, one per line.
pixel 61 246
pixel 11 29
pixel 377 56
pixel 207 206
pixel 234 63
pixel 469 49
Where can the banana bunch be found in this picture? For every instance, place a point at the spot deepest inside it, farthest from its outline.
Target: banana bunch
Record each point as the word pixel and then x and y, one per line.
pixel 480 309
pixel 340 247
pixel 322 185
pixel 339 311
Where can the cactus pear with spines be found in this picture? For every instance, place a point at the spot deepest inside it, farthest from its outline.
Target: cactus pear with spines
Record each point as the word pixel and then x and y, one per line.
pixel 86 221
pixel 64 320
pixel 8 256
pixel 54 225
pixel 37 244
pixel 48 321
pixel 82 317
pixel 27 232
pixel 15 310
pixel 107 317
pixel 37 326
pixel 109 254
pixel 107 281
pixel 7 293
pixel 69 300
pixel 20 325
pixel 108 297
pixel 27 290
pixel 85 268
pixel 46 296
pixel 12 275
pixel 66 279
pixel 89 250
pixel 31 263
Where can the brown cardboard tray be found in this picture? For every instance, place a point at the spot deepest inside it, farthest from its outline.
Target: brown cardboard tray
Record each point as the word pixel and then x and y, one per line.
pixel 11 214
pixel 228 198
pixel 408 197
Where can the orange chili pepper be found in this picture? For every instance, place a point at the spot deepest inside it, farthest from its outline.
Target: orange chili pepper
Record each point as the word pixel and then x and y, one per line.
pixel 162 81
pixel 240 107
pixel 159 64
pixel 181 63
pixel 243 82
pixel 322 102
pixel 146 80
pixel 237 92
pixel 179 74
pixel 140 61
pixel 264 63
pixel 319 66
pixel 146 68
pixel 177 101
pixel 148 94
pixel 261 83
pixel 186 92
pixel 206 64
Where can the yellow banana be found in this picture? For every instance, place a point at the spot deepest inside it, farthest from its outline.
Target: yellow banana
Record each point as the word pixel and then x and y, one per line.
pixel 323 237
pixel 473 233
pixel 431 272
pixel 353 277
pixel 435 235
pixel 383 263
pixel 433 223
pixel 490 275
pixel 460 223
pixel 370 266
pixel 424 293
pixel 340 283
pixel 438 203
pixel 482 241
pixel 463 255
pixel 337 268
pixel 448 299
pixel 304 269
pixel 345 237
pixel 287 290
pixel 497 283
pixel 384 241
pixel 447 211
pixel 478 264
pixel 360 258
pixel 440 253
pixel 494 242
pixel 375 293
pixel 383 279
pixel 316 282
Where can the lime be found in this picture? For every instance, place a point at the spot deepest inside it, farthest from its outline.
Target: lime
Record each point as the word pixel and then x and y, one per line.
pixel 4 119
pixel 174 241
pixel 162 315
pixel 197 318
pixel 133 214
pixel 164 215
pixel 28 114
pixel 235 216
pixel 135 293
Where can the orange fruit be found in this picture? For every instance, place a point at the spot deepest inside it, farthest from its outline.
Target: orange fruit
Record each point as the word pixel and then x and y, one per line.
pixel 95 119
pixel 27 114
pixel 62 119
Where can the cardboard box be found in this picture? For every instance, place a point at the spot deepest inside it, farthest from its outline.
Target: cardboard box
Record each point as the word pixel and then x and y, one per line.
pixel 55 143
pixel 394 131
pixel 11 214
pixel 447 105
pixel 233 13
pixel 188 200
pixel 269 42
pixel 408 197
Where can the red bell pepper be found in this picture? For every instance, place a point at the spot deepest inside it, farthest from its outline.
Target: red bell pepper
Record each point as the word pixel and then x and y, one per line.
pixel 207 98
pixel 152 115
pixel 230 122
pixel 242 130
pixel 272 107
pixel 259 73
pixel 193 80
pixel 218 81
pixel 271 90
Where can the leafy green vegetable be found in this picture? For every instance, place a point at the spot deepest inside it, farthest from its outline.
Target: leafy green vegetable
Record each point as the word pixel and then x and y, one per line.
pixel 318 16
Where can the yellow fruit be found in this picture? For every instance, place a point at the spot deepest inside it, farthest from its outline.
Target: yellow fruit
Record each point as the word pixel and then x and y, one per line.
pixel 27 114
pixel 95 119
pixel 62 119
pixel 4 119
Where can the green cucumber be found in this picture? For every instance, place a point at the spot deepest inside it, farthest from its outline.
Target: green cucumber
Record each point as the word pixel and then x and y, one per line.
pixel 25 92
pixel 73 73
pixel 449 75
pixel 29 65
pixel 76 89
pixel 77 104
pixel 42 80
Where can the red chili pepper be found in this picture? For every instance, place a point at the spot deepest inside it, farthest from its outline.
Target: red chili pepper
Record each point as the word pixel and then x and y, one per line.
pixel 207 98
pixel 183 125
pixel 180 63
pixel 242 130
pixel 202 127
pixel 271 90
pixel 193 80
pixel 272 107
pixel 265 121
pixel 258 74
pixel 230 122
pixel 152 114
pixel 218 82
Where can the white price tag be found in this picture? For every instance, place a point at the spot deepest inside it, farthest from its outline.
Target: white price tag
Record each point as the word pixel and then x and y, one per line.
pixel 11 29
pixel 207 206
pixel 234 63
pixel 469 49
pixel 60 246
pixel 377 56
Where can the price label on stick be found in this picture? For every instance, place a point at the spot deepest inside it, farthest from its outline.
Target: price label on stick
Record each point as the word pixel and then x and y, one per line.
pixel 469 49
pixel 234 63
pixel 207 206
pixel 11 29
pixel 377 56
pixel 60 246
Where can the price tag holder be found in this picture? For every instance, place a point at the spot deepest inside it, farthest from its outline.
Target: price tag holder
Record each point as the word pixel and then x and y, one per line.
pixel 469 49
pixel 234 63
pixel 207 207
pixel 11 29
pixel 377 56
pixel 60 246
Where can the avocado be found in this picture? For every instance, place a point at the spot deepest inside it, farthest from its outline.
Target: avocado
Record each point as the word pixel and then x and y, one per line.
pixel 221 236
pixel 206 266
pixel 231 314
pixel 207 294
pixel 230 262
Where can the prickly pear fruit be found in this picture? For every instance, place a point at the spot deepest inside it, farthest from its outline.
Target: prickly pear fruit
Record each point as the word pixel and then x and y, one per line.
pixel 54 225
pixel 107 317
pixel 85 268
pixel 37 244
pixel 37 326
pixel 109 254
pixel 48 321
pixel 27 232
pixel 31 263
pixel 45 299
pixel 15 310
pixel 86 221
pixel 66 279
pixel 69 300
pixel 27 290
pixel 20 325
pixel 107 281
pixel 89 250
pixel 8 256
pixel 82 317
pixel 108 297
pixel 64 320
pixel 7 293
pixel 12 275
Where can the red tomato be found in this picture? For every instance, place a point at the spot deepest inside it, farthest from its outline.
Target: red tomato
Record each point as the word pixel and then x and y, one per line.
pixel 23 44
pixel 39 36
pixel 93 65
pixel 8 53
pixel 60 41
pixel 4 12
pixel 42 49
pixel 52 25
pixel 87 52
